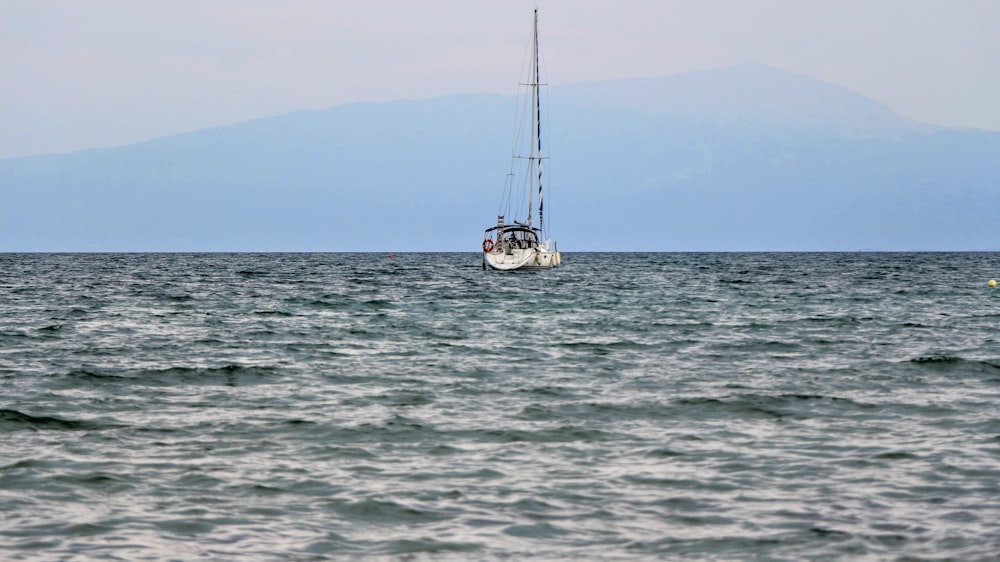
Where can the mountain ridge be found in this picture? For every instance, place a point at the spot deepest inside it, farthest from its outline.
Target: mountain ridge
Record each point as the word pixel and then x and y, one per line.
pixel 621 92
pixel 751 94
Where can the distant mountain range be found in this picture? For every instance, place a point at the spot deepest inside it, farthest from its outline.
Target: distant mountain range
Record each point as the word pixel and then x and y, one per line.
pixel 745 157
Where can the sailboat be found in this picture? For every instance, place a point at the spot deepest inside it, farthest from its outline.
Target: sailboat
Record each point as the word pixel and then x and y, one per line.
pixel 518 243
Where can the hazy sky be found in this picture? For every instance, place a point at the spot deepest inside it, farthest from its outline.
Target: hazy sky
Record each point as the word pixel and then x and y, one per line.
pixel 77 74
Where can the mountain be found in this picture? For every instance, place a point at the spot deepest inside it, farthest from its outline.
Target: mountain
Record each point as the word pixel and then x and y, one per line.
pixel 739 158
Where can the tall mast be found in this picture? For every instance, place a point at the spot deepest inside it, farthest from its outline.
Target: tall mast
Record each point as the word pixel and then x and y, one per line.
pixel 538 122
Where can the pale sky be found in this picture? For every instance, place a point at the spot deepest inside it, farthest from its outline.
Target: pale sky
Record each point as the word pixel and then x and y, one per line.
pixel 79 74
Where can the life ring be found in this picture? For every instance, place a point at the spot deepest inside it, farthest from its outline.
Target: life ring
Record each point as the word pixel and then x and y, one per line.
pixel 487 245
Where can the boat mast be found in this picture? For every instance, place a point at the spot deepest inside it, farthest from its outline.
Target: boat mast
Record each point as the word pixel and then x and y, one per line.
pixel 535 128
pixel 538 123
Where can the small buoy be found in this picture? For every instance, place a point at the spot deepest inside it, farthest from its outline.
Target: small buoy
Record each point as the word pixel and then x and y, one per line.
pixel 992 283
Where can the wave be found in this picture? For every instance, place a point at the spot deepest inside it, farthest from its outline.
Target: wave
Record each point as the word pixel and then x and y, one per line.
pixel 953 363
pixel 563 434
pixel 941 359
pixel 272 313
pixel 773 406
pixel 13 420
pixel 386 511
pixel 92 376
pixel 18 335
pixel 793 405
pixel 411 547
pixel 226 375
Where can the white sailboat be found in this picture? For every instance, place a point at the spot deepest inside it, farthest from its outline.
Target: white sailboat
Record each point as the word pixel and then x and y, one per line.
pixel 520 244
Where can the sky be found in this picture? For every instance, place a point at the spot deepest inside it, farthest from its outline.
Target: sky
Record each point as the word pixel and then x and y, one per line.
pixel 83 74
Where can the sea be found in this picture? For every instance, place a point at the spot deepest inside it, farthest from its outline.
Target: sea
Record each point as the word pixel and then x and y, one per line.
pixel 624 406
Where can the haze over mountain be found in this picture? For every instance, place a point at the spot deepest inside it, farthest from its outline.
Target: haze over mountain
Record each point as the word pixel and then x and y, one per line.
pixel 745 157
pixel 746 94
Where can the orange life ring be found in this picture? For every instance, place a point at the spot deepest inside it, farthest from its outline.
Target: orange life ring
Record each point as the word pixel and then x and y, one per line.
pixel 487 245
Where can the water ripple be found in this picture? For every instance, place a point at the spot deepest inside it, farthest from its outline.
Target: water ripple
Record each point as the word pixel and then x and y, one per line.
pixel 623 406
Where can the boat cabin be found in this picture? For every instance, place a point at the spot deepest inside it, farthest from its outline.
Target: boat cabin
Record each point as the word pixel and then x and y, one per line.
pixel 511 237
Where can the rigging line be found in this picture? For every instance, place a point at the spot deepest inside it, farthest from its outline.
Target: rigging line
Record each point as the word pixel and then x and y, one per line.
pixel 548 140
pixel 534 115
pixel 521 105
pixel 521 100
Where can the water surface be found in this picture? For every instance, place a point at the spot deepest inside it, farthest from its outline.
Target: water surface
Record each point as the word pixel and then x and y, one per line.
pixel 623 406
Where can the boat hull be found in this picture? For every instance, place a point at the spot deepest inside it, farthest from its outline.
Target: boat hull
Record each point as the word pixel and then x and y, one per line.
pixel 522 259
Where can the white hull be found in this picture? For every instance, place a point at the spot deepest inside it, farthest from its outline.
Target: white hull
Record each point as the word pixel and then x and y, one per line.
pixel 522 258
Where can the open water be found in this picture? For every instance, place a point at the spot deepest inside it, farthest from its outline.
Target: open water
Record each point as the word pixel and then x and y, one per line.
pixel 621 407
